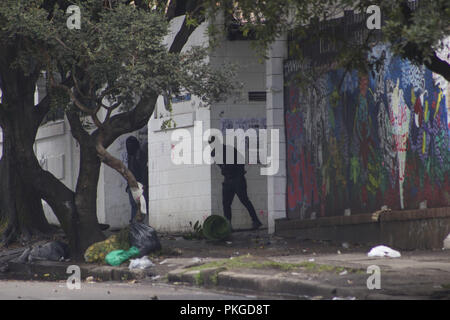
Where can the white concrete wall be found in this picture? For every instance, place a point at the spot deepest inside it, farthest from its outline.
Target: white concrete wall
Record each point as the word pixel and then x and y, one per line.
pixel 276 184
pixel 115 205
pixel 180 194
pixel 252 75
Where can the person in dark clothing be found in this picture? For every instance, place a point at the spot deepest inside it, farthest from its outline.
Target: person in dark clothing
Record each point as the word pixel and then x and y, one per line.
pixel 138 165
pixel 235 184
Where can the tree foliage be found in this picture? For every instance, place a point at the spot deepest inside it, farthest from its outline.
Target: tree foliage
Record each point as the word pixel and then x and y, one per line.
pixel 109 73
pixel 415 29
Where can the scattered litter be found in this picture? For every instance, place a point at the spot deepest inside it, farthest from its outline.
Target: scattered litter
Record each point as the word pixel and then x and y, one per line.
pixel 96 253
pixel 163 262
pixel 338 252
pixel 47 275
pixel 317 298
pixel 311 260
pixel 228 242
pixel 142 263
pixel 196 260
pixel 423 205
pixel 52 251
pixel 295 273
pixel 90 279
pixel 144 238
pixel 383 251
pixel 447 242
pixel 117 257
pixel 345 245
pixel 156 277
pixel 343 273
pixel 349 281
pixel 304 250
pixel 341 298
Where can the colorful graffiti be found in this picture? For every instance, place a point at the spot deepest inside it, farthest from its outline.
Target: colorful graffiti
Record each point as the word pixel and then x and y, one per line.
pixel 385 140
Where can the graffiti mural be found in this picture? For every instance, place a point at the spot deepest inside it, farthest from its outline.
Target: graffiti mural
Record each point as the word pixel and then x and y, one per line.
pixel 361 141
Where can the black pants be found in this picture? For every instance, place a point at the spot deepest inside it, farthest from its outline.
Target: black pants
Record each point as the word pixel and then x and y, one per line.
pixel 230 187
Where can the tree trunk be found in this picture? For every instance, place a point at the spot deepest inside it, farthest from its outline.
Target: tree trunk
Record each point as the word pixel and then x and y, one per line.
pixel 86 196
pixel 20 205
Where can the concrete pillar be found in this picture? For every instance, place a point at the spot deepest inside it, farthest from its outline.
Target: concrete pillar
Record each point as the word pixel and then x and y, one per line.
pixel 276 184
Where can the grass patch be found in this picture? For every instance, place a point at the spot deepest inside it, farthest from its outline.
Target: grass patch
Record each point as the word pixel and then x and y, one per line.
pixel 250 262
pixel 446 286
pixel 246 262
pixel 198 279
pixel 317 268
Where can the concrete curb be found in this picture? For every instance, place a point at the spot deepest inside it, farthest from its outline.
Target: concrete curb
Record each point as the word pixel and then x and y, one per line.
pixel 49 270
pixel 236 281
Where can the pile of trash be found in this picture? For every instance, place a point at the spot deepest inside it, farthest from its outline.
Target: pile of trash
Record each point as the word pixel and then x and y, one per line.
pixel 135 241
pixel 52 251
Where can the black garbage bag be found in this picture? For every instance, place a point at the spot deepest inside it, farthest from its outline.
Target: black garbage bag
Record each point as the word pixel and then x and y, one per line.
pixel 52 251
pixel 144 238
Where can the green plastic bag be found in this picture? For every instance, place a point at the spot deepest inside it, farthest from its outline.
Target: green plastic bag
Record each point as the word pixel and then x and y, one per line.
pixel 117 257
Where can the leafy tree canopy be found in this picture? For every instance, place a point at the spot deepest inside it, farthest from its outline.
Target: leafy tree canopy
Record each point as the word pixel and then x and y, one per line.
pixel 414 29
pixel 115 58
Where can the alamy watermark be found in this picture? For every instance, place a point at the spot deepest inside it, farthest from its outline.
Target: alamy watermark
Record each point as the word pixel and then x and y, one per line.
pixel 374 280
pixel 372 22
pixel 74 280
pixel 74 20
pixel 206 147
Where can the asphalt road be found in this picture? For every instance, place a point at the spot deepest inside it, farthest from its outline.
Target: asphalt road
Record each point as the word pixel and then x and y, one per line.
pixel 36 290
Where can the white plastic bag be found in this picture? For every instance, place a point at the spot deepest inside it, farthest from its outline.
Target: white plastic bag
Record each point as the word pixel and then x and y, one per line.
pixel 447 243
pixel 141 263
pixel 383 251
pixel 138 193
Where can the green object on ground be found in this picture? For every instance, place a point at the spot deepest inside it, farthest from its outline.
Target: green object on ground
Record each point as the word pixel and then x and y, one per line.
pixel 117 257
pixel 97 252
pixel 216 228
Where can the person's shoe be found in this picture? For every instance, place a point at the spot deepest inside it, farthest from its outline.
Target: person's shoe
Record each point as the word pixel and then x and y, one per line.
pixel 256 224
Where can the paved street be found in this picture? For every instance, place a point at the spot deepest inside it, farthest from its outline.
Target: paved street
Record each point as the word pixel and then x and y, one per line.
pixel 37 290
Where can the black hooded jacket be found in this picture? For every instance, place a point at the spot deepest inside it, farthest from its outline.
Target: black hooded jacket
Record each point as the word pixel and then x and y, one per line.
pixel 137 160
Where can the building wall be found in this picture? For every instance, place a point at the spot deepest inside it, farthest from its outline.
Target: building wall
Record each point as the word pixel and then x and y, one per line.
pixel 381 139
pixel 180 194
pixel 240 112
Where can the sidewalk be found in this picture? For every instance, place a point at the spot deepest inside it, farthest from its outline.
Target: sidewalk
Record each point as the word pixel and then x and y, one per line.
pixel 257 264
pixel 253 262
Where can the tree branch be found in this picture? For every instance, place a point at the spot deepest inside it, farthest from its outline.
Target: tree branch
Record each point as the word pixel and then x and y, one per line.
pixel 120 167
pixel 78 132
pixel 129 121
pixel 183 34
